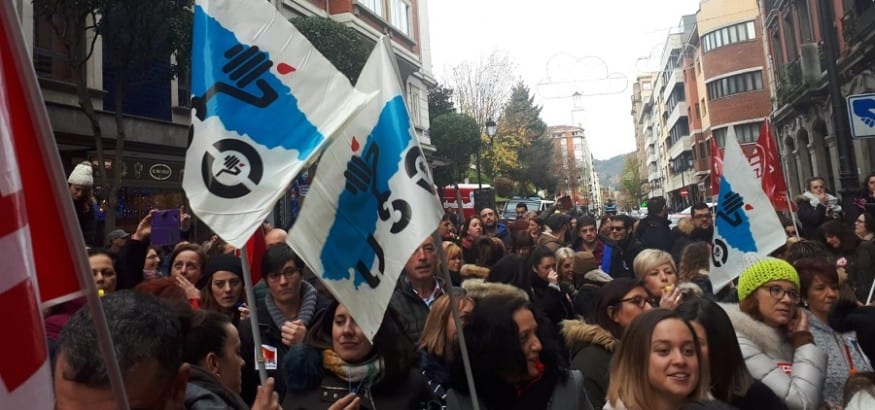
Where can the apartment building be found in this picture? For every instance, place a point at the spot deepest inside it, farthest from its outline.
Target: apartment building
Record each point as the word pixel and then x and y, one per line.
pixel 573 159
pixel 726 68
pixel 803 114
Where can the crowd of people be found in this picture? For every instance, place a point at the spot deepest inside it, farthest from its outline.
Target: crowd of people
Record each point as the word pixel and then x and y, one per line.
pixel 556 312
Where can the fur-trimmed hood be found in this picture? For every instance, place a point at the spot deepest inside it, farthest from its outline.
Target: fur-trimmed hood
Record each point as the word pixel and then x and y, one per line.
pixel 770 340
pixel 478 289
pixel 578 334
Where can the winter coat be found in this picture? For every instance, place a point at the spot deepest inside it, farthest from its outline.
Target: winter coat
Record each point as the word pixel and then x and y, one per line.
pixel 205 392
pixel 412 310
pixel 566 396
pixel 437 373
pixel 552 300
pixel 311 386
pixel 501 232
pixel 796 376
pixel 847 316
pixel 618 257
pixel 758 396
pixel 129 264
pixel 591 349
pixel 654 233
pixel 860 268
pixel 837 346
pixel 549 241
pixel 810 217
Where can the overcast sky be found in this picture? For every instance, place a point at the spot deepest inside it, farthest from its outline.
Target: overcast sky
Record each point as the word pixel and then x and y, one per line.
pixel 562 46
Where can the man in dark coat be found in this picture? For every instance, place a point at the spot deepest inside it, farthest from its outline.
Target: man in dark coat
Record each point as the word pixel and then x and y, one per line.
pixel 703 230
pixel 653 230
pixel 417 289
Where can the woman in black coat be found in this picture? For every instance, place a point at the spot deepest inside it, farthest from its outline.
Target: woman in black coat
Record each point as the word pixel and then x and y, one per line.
pixel 338 360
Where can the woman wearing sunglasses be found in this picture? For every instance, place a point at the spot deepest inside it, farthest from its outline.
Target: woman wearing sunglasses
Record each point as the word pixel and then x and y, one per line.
pixel 773 334
pixel 593 344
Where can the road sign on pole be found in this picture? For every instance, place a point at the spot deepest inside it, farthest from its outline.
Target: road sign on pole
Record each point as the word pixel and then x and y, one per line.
pixel 861 110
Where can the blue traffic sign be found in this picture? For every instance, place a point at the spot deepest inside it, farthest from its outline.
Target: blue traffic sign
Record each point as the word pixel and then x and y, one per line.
pixel 861 109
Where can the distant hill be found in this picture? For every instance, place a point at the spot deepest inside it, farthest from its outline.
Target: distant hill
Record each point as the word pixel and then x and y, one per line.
pixel 609 170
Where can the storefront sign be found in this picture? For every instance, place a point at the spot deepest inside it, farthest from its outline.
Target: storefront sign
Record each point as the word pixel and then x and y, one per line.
pixel 160 172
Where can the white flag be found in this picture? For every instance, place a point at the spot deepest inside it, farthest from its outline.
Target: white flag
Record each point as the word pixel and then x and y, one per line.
pixel 372 201
pixel 745 222
pixel 265 102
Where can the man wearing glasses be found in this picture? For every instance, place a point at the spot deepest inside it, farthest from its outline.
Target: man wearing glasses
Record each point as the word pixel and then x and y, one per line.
pixel 703 230
pixel 621 248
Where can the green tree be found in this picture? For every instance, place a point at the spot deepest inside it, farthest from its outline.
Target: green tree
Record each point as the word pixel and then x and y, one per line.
pixel 454 136
pixel 137 36
pixel 518 127
pixel 341 45
pixel 440 101
pixel 631 181
pixel 537 167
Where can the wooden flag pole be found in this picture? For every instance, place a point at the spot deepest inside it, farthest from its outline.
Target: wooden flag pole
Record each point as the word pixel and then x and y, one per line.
pixel 463 347
pixel 253 315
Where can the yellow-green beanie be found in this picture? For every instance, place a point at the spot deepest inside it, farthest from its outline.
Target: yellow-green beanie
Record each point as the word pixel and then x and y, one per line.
pixel 765 271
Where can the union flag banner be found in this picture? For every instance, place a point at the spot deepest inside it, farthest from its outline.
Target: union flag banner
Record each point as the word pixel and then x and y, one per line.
pixel 25 377
pixel 767 165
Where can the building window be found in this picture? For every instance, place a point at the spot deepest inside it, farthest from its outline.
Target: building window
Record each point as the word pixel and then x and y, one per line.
pixel 744 133
pixel 400 15
pixel 725 36
pixel 790 42
pixel 413 102
pixel 678 131
pixel 373 5
pixel 735 84
pixel 805 31
pixel 49 53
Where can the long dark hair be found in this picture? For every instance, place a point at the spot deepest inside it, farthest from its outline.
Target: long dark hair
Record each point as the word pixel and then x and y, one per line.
pixel 390 343
pixel 492 337
pixel 864 187
pixel 848 241
pixel 729 375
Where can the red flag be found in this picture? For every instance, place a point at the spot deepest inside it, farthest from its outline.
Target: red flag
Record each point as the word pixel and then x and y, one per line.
pixel 55 266
pixel 255 248
pixel 24 367
pixel 716 167
pixel 770 165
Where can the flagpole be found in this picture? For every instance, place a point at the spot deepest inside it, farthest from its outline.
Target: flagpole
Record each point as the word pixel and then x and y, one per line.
pixel 792 215
pixel 70 229
pixel 463 347
pixel 253 316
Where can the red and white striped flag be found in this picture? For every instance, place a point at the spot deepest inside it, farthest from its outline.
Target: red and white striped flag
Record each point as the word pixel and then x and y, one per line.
pixel 24 365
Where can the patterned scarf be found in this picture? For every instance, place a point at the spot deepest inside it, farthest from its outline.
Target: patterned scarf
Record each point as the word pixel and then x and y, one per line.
pixel 367 373
pixel 305 312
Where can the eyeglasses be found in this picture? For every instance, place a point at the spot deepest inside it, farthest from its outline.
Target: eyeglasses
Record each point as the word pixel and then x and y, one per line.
pixel 288 273
pixel 703 216
pixel 639 301
pixel 778 293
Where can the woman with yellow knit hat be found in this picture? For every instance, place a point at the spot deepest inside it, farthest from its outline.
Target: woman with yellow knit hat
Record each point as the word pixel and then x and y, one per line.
pixel 773 334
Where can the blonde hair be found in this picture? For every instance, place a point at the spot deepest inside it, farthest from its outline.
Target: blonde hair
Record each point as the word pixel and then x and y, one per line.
pixel 629 379
pixel 451 250
pixel 649 259
pixel 434 338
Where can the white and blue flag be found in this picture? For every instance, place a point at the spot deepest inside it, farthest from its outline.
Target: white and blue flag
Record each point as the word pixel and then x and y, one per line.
pixel 264 103
pixel 746 226
pixel 372 201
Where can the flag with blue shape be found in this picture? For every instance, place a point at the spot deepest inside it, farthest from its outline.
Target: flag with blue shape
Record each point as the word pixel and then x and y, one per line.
pixel 264 103
pixel 745 223
pixel 372 201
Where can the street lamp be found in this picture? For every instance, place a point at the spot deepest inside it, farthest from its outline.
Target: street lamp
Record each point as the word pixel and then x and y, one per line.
pixel 490 131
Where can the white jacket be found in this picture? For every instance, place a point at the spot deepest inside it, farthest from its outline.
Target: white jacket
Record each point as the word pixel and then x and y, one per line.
pixel 795 376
